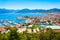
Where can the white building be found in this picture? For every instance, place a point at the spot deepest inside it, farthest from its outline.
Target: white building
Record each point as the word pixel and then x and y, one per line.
pixel 28 20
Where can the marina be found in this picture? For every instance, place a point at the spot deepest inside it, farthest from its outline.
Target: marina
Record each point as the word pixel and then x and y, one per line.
pixel 11 18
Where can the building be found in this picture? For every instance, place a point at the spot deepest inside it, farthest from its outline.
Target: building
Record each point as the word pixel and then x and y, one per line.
pixel 55 28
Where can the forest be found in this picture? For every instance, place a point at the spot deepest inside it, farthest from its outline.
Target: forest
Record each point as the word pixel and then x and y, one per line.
pixel 14 35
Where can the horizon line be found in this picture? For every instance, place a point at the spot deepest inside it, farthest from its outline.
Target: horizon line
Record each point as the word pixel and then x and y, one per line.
pixel 29 8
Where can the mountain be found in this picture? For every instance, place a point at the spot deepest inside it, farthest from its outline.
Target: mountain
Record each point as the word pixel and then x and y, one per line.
pixel 54 10
pixel 6 11
pixel 38 11
pixel 29 11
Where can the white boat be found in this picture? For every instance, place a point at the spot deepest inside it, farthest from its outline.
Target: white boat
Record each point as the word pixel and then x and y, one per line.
pixel 20 18
pixel 10 22
pixel 15 23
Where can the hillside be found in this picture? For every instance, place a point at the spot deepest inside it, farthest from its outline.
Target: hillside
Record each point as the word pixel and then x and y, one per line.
pixel 29 11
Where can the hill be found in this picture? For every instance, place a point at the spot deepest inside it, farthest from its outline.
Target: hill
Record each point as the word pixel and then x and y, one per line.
pixel 29 11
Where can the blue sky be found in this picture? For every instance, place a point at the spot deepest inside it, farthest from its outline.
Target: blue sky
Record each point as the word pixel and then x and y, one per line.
pixel 30 4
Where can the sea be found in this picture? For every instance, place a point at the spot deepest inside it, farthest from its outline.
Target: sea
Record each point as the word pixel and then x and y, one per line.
pixel 13 16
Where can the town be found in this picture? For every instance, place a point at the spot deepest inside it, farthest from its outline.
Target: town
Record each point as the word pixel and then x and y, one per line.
pixel 34 28
pixel 36 23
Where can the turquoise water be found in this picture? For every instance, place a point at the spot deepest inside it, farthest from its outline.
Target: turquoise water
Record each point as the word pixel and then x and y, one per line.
pixel 12 16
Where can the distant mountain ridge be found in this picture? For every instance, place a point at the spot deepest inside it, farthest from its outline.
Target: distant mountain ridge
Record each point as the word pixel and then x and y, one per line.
pixel 29 11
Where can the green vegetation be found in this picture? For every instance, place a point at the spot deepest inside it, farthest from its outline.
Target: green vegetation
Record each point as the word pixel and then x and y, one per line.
pixel 27 24
pixel 35 26
pixel 49 22
pixel 14 35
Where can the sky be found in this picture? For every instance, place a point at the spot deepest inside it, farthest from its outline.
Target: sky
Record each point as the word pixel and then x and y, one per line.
pixel 29 4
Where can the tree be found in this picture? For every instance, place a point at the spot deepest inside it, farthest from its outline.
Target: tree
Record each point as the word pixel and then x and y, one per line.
pixel 50 34
pixel 49 22
pixel 22 36
pixel 13 34
pixel 4 36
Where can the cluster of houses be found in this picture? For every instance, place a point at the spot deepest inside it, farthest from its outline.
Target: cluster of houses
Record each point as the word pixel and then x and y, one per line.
pixel 51 21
